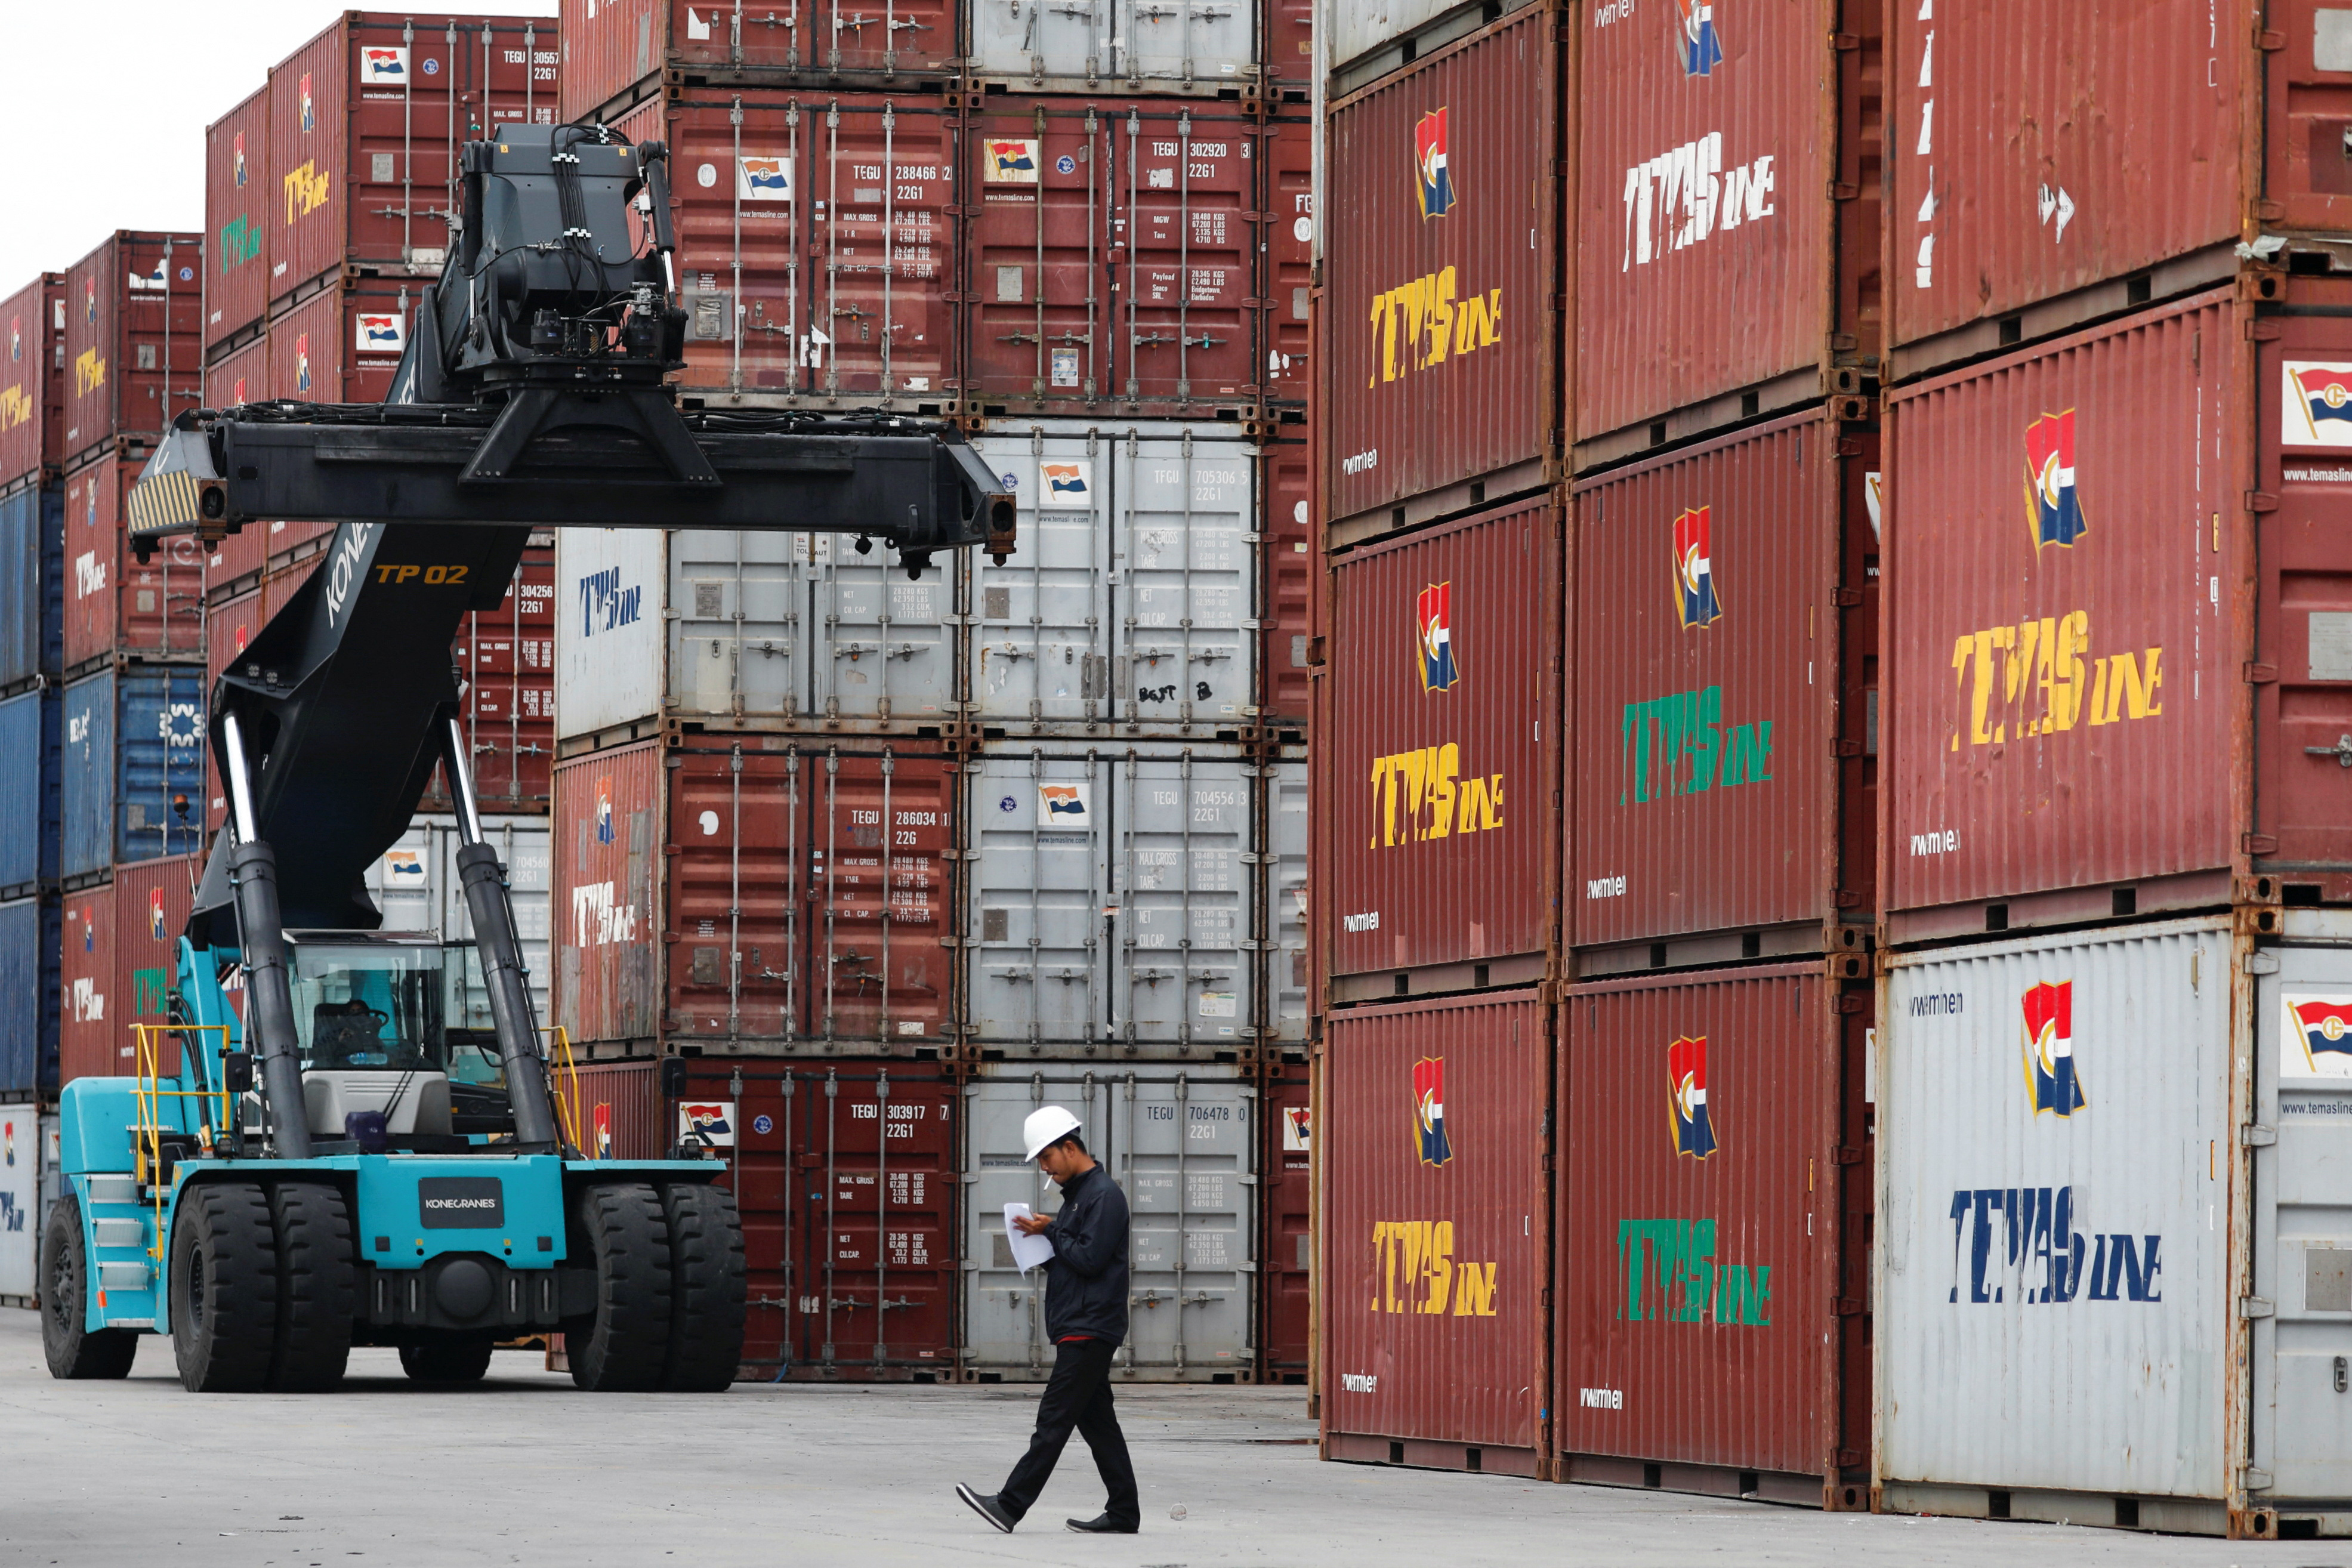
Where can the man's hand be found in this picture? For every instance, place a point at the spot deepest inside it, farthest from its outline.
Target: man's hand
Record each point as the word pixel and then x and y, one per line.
pixel 1032 1224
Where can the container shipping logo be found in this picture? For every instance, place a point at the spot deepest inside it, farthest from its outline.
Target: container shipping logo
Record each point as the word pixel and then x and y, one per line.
pixel 1433 614
pixel 605 809
pixel 1414 1270
pixel 763 179
pixel 16 338
pixel 2052 505
pixel 379 334
pixel 309 112
pixel 1686 1096
pixel 1063 806
pixel 387 66
pixel 2049 1048
pixel 2321 397
pixel 2020 1244
pixel 1696 49
pixel 2318 1039
pixel 1671 1275
pixel 90 302
pixel 1012 162
pixel 1432 175
pixel 156 914
pixel 1429 1111
pixel 236 151
pixel 301 361
pixel 1679 744
pixel 1695 570
pixel 1067 485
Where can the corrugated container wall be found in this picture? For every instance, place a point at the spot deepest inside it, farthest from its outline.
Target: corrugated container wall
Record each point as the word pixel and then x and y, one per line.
pixel 1285 1196
pixel 606 881
pixel 415 885
pixel 1444 668
pixel 133 309
pixel 113 603
pixel 614 50
pixel 152 899
pixel 1442 277
pixel 1437 1232
pixel 1726 640
pixel 1132 47
pixel 30 944
pixel 243 376
pixel 505 660
pixel 133 741
pixel 89 1044
pixel 32 564
pixel 29 804
pixel 240 192
pixel 32 380
pixel 1288 568
pixel 1714 1265
pixel 617 1109
pixel 1360 29
pixel 1287 200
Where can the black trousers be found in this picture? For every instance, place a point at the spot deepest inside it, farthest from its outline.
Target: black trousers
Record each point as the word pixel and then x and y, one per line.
pixel 1077 1394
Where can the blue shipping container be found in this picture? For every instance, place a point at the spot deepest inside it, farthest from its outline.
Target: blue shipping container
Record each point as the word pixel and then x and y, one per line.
pixel 28 791
pixel 32 584
pixel 132 741
pixel 31 933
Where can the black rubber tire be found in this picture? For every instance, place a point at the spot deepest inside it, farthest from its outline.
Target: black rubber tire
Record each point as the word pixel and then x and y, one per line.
pixel 224 1288
pixel 448 1361
pixel 706 1269
pixel 318 1291
pixel 73 1350
pixel 624 1346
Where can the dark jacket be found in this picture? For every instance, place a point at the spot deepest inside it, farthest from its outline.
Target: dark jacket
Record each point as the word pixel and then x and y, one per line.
pixel 1085 1280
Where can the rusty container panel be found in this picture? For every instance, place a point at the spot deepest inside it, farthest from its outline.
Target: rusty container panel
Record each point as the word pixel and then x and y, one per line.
pixel 1716 662
pixel 2064 679
pixel 617 1109
pixel 32 380
pixel 810 897
pixel 1714 1216
pixel 112 603
pixel 844 1173
pixel 92 1041
pixel 239 197
pixel 365 124
pixel 1286 1265
pixel 1287 46
pixel 1436 1229
pixel 1441 269
pixel 816 246
pixel 1445 837
pixel 133 307
pixel 1705 220
pixel 505 660
pixel 611 47
pixel 2030 161
pixel 606 894
pixel 243 376
pixel 1287 565
pixel 152 899
pixel 1113 258
pixel 1286 202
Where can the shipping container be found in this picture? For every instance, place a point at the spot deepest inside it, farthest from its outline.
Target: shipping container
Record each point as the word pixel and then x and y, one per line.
pixel 134 355
pixel 1286 1256
pixel 151 900
pixel 91 1043
pixel 113 603
pixel 617 1108
pixel 1725 643
pixel 1713 1262
pixel 229 625
pixel 505 660
pixel 32 566
pixel 1109 905
pixel 617 52
pixel 415 885
pixel 1444 282
pixel 239 192
pixel 1287 45
pixel 2139 1234
pixel 20 1191
pixel 133 744
pixel 1290 990
pixel 1436 1125
pixel 365 123
pixel 1368 39
pixel 1450 863
pixel 30 762
pixel 32 400
pixel 1114 259
pixel 1288 566
pixel 31 943
pixel 818 238
pixel 241 376
pixel 1180 1140
pixel 844 1173
pixel 1287 204
pixel 1728 216
pixel 339 344
pixel 1125 47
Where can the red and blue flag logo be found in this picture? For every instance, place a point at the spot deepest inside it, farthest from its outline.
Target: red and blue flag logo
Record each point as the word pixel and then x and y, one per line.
pixel 310 114
pixel 1433 614
pixel 1695 570
pixel 605 809
pixel 1696 49
pixel 1686 1096
pixel 1431 169
pixel 2049 1048
pixel 237 147
pixel 2327 1028
pixel 16 338
pixel 2056 511
pixel 1429 1111
pixel 155 913
pixel 2326 396
pixel 302 361
pixel 1012 161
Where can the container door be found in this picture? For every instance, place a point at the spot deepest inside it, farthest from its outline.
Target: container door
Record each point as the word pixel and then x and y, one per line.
pixel 879 841
pixel 20 1230
pixel 1185 511
pixel 1034 925
pixel 1009 39
pixel 1041 649
pixel 735 623
pixel 2303 1231
pixel 1004 1310
pixel 1285 931
pixel 885 651
pixel 1187 839
pixel 1182 1145
pixel 1285 1192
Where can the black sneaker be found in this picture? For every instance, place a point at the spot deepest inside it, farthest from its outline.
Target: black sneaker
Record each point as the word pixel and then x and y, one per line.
pixel 1101 1524
pixel 988 1508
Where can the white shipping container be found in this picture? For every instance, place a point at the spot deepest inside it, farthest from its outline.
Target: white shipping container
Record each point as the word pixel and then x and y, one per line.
pixel 20 1203
pixel 416 884
pixel 1188 47
pixel 609 640
pixel 1349 30
pixel 1287 893
pixel 2073 1132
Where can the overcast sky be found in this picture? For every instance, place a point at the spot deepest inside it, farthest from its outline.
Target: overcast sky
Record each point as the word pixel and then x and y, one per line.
pixel 109 100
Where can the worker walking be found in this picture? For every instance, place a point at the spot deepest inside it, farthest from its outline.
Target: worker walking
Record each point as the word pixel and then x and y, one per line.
pixel 1086 1317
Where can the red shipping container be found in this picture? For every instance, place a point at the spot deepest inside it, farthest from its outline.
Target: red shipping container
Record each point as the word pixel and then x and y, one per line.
pixel 1287 200
pixel 340 345
pixel 243 376
pixel 1287 47
pixel 604 897
pixel 1287 564
pixel 112 603
pixel 229 625
pixel 617 50
pixel 505 663
pixel 816 246
pixel 92 1041
pixel 128 372
pixel 32 382
pixel 1443 278
pixel 1286 1181
pixel 1114 259
pixel 844 1173
pixel 1726 632
pixel 365 124
pixel 1437 1233
pixel 1440 842
pixel 1706 215
pixel 616 1108
pixel 239 193
pixel 1713 1223
pixel 151 900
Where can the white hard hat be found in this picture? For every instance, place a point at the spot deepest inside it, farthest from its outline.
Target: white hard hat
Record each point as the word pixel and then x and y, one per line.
pixel 1045 1128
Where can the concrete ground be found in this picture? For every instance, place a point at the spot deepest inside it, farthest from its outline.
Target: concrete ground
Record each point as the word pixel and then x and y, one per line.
pixel 526 1469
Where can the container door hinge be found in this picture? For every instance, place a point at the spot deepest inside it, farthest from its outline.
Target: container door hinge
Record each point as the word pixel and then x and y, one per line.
pixel 2260 500
pixel 1842 42
pixel 2253 1307
pixel 2254 1480
pixel 1850 1458
pixel 1843 191
pixel 1846 899
pixel 2259 961
pixel 2262 330
pixel 2266 40
pixel 2257 1136
pixel 2261 844
pixel 2261 674
pixel 1849 1307
pixel 1845 1154
pixel 1845 748
pixel 1847 598
pixel 1852 1002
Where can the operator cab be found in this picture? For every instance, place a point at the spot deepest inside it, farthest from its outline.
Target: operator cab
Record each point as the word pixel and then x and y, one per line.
pixel 395 1024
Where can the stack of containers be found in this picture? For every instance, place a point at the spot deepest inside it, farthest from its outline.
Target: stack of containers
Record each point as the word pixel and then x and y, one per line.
pixel 1436 665
pixel 2116 703
pixel 938 848
pixel 32 667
